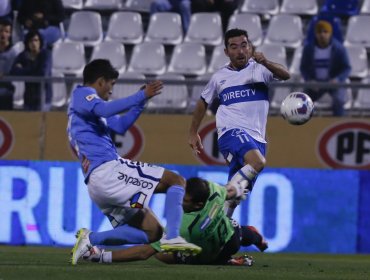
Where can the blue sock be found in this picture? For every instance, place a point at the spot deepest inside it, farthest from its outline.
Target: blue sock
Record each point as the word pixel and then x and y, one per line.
pixel 173 210
pixel 121 235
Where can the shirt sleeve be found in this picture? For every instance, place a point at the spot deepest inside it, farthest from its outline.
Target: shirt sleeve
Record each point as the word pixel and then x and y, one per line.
pixel 210 91
pixel 120 124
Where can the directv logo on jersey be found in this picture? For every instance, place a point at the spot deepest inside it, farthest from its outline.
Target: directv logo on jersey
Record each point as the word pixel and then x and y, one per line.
pixel 238 93
pixel 135 181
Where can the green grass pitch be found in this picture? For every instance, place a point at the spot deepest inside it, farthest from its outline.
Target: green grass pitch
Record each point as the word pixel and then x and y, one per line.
pixel 52 263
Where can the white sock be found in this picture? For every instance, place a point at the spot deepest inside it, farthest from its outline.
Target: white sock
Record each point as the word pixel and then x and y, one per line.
pixel 107 257
pixel 247 172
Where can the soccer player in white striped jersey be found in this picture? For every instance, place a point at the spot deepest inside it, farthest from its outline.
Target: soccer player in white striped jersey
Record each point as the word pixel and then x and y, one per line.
pixel 242 89
pixel 120 187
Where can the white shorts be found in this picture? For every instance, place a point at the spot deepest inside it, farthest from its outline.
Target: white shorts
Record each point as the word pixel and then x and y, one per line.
pixel 121 187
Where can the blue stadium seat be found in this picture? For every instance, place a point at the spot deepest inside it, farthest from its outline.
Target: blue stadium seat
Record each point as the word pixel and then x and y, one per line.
pixel 335 22
pixel 341 7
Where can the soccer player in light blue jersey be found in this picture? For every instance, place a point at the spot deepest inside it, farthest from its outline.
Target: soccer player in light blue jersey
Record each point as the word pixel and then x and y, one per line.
pixel 120 187
pixel 242 89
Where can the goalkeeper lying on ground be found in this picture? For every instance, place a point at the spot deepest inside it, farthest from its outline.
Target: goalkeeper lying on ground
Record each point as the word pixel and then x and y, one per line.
pixel 204 224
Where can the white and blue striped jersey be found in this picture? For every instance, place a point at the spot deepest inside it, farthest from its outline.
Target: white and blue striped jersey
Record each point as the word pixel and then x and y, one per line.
pixel 244 101
pixel 89 133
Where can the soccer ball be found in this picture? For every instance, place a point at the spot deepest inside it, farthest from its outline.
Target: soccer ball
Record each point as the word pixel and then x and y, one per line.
pixel 297 108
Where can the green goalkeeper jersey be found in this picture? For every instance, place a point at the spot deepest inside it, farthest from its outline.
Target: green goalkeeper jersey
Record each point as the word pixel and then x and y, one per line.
pixel 209 227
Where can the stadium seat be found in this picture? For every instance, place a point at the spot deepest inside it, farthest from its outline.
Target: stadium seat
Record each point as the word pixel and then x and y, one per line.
pixel 306 7
pixel 362 100
pixel 73 4
pixel 125 89
pixel 68 58
pixel 165 28
pixel 148 58
pixel 138 5
pixel 59 89
pixel 125 27
pixel 274 53
pixel 365 8
pixel 218 59
pixel 205 28
pixel 270 7
pixel 341 7
pixel 356 35
pixel 103 4
pixel 296 62
pixel 114 52
pixel 188 59
pixel 173 96
pixel 335 22
pixel 285 30
pixel 85 27
pixel 250 21
pixel 358 60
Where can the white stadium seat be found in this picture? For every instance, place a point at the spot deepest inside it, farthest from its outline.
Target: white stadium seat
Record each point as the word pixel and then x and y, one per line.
pixel 270 7
pixel 85 27
pixel 205 28
pixel 285 30
pixel 68 58
pixel 306 7
pixel 73 4
pixel 165 28
pixel 103 4
pixel 188 59
pixel 125 27
pixel 148 58
pixel 358 60
pixel 356 35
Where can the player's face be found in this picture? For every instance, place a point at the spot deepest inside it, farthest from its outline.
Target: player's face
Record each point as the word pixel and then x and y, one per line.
pixel 239 51
pixel 105 88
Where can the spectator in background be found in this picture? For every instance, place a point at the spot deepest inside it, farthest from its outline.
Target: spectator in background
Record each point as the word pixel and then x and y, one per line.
pixel 182 7
pixel 326 60
pixel 33 61
pixel 7 56
pixel 225 7
pixel 44 16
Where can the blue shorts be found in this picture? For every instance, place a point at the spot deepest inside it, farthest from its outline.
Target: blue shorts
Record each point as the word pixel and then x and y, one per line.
pixel 234 144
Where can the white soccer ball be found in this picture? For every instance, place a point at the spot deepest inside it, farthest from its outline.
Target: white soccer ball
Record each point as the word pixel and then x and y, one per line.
pixel 297 108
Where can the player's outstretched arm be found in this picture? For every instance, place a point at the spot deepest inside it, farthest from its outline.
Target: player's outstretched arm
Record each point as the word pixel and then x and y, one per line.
pixel 277 69
pixel 120 124
pixel 194 140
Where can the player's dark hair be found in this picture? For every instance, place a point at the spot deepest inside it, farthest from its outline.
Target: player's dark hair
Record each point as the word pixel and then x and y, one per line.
pixel 99 68
pixel 198 189
pixel 235 32
pixel 29 36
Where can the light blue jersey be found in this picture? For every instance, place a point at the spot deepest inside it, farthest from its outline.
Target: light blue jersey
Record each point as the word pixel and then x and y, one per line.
pixel 91 120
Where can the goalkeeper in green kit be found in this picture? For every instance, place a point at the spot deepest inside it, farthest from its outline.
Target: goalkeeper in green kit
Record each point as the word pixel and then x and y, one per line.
pixel 204 223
